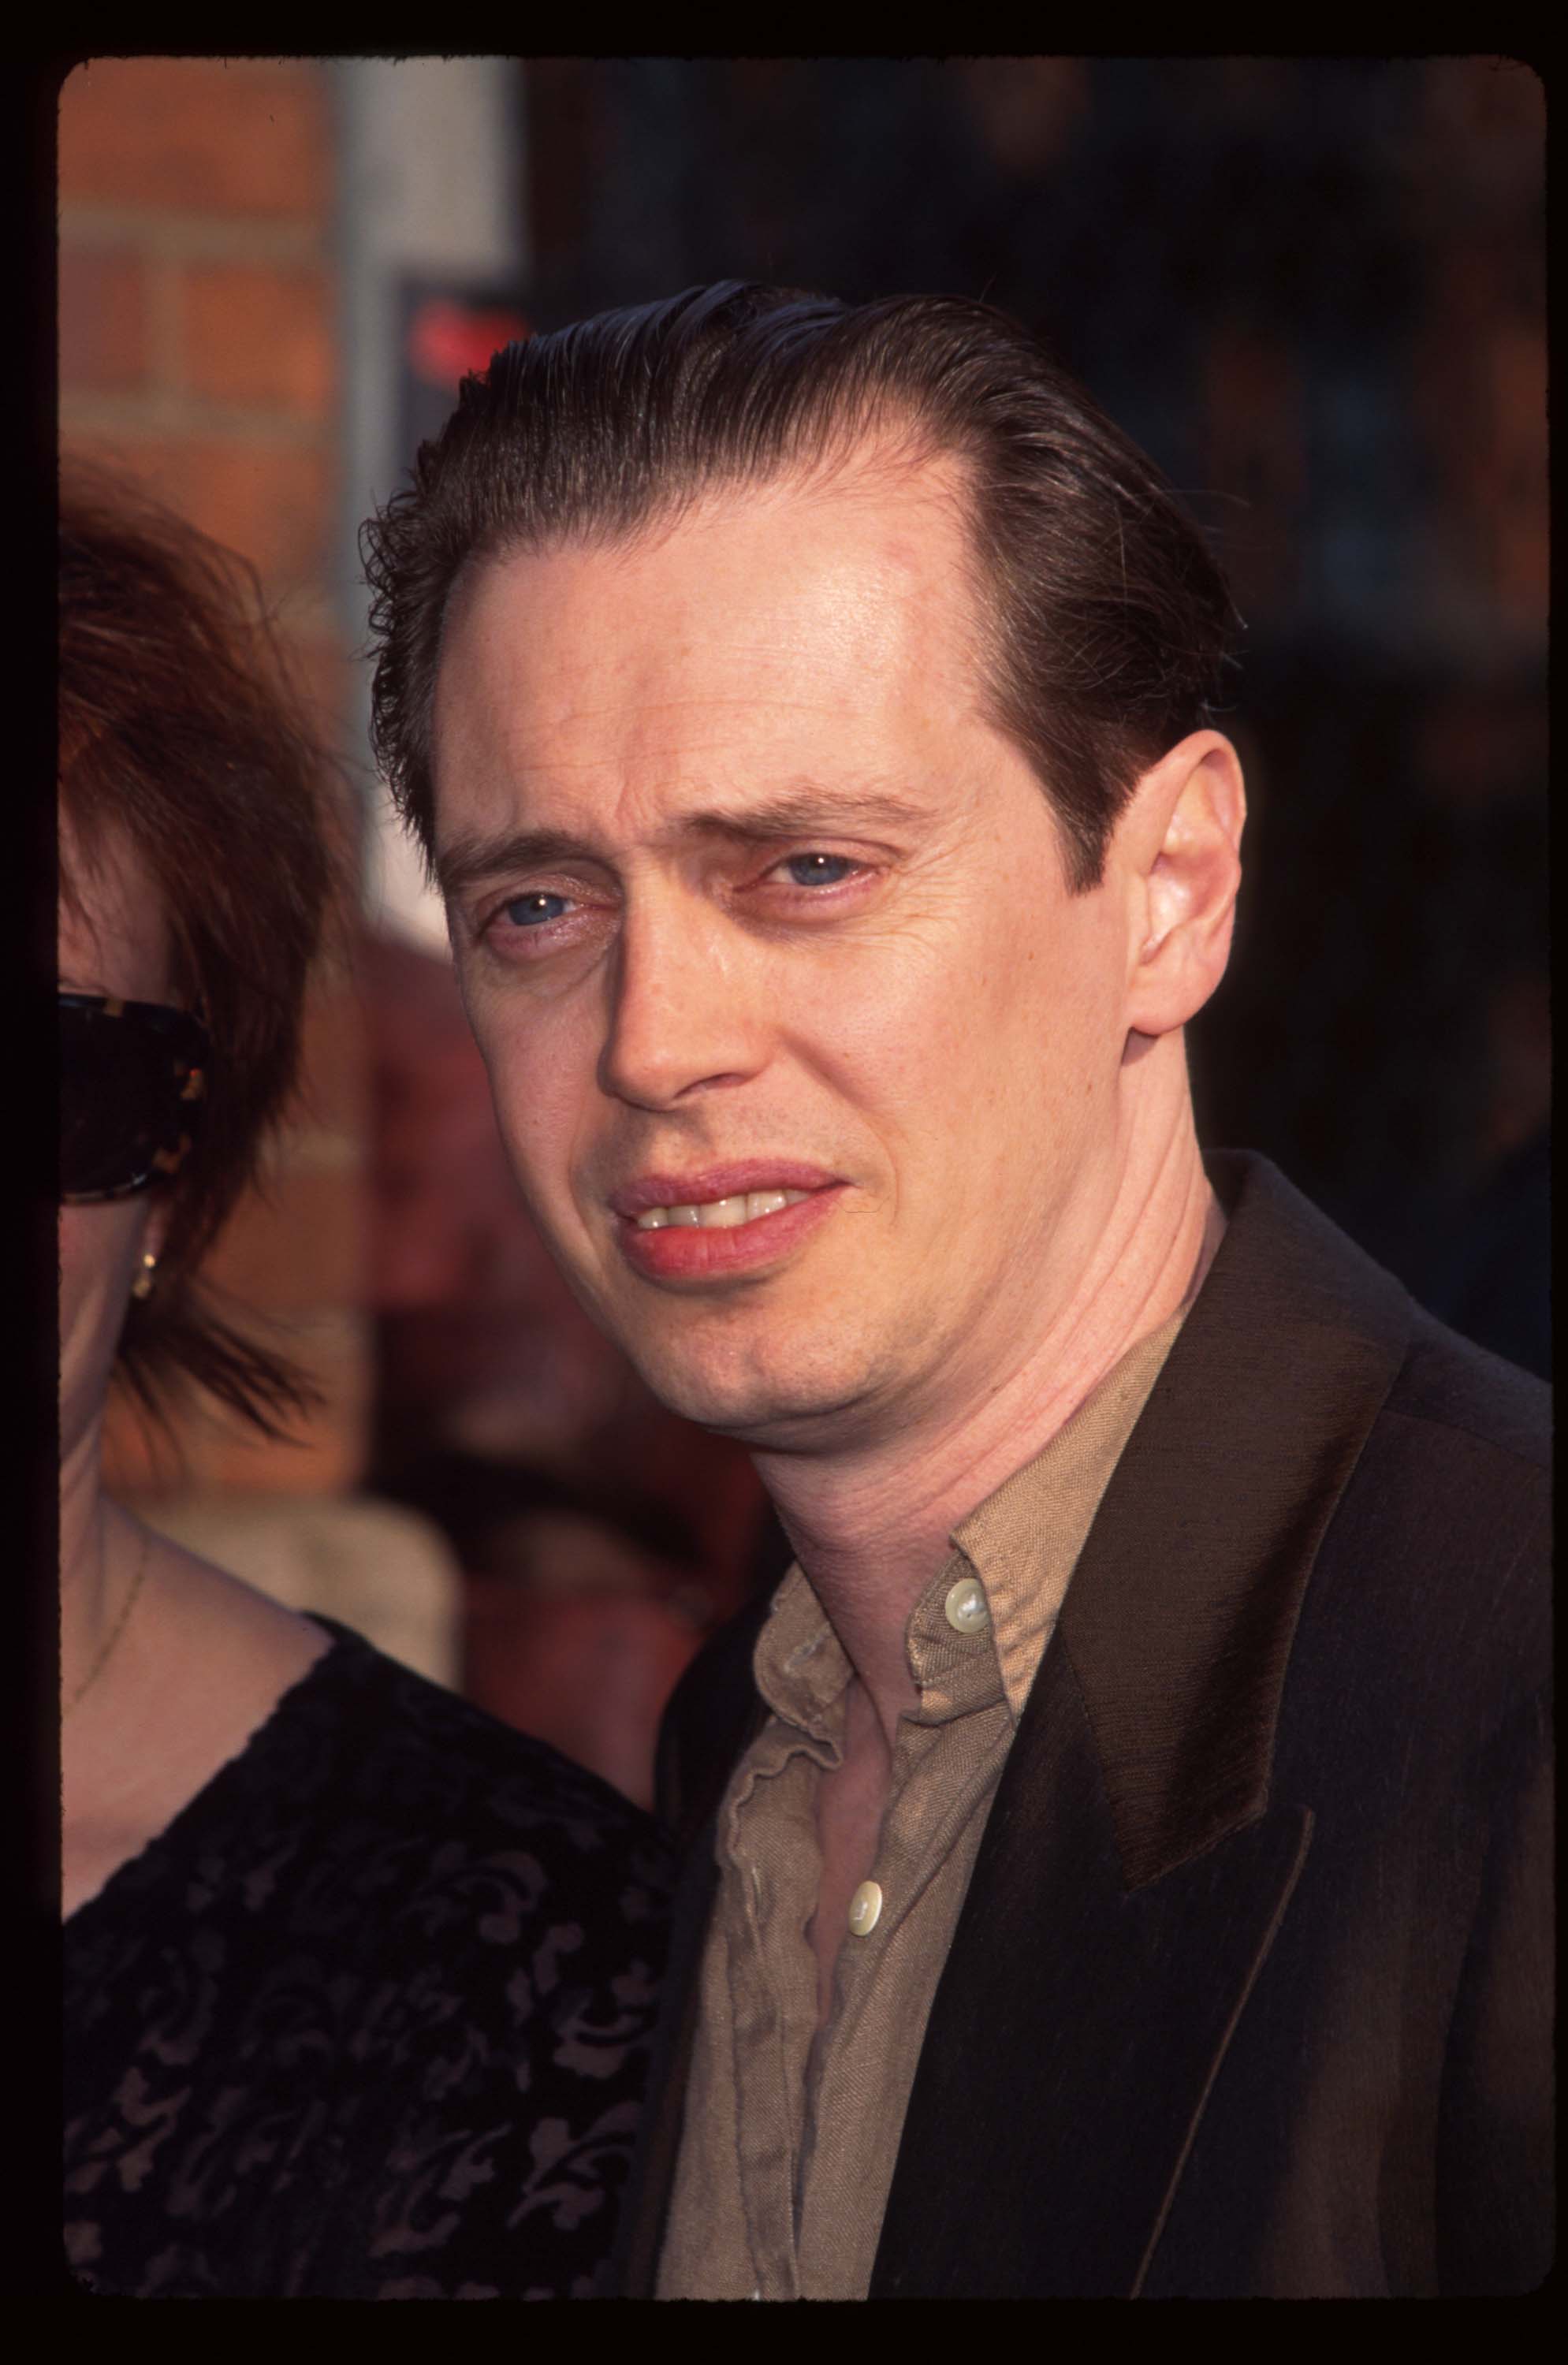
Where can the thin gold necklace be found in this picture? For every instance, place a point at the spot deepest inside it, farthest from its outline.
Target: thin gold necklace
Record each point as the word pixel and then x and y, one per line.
pixel 102 1661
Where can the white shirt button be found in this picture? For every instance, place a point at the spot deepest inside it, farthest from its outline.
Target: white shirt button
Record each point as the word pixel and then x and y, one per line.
pixel 966 1607
pixel 864 1909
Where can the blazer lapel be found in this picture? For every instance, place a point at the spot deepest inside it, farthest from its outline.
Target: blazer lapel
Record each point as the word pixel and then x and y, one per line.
pixel 715 1713
pixel 632 2270
pixel 1134 1868
pixel 1074 2034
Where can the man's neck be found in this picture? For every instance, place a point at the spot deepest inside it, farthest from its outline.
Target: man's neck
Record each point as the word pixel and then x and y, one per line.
pixel 871 1528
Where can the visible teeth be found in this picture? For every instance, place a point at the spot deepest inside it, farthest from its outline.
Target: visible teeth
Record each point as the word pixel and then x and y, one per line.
pixel 721 1215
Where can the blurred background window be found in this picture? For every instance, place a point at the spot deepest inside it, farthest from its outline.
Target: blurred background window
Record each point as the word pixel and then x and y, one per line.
pixel 1312 288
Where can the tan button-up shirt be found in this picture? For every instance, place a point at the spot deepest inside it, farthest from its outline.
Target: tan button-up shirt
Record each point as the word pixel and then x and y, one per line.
pixel 790 2134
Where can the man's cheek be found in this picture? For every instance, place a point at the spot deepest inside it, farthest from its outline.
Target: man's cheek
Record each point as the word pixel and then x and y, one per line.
pixel 531 1136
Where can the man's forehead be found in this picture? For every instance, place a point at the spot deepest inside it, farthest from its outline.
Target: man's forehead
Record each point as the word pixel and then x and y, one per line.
pixel 865 527
pixel 720 655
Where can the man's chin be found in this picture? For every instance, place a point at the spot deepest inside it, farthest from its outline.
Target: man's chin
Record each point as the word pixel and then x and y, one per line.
pixel 778 1412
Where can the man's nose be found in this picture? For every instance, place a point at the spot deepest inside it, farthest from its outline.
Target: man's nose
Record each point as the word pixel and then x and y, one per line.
pixel 686 1012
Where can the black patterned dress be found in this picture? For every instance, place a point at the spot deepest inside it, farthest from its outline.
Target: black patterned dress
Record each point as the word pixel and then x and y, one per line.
pixel 370 2019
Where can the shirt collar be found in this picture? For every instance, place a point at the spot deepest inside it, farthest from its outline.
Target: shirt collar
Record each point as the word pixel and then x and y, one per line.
pixel 1024 1540
pixel 799 1661
pixel 1021 1545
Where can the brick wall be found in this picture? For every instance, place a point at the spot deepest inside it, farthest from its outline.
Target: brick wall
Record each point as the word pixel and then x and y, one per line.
pixel 196 337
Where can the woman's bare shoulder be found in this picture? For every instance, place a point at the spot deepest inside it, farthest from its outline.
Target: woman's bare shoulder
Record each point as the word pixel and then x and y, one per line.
pixel 203 1664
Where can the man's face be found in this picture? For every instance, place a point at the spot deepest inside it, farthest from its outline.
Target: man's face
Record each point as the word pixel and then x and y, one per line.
pixel 748 899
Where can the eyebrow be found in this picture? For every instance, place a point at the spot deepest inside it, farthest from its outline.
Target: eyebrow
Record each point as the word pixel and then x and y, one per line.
pixel 472 859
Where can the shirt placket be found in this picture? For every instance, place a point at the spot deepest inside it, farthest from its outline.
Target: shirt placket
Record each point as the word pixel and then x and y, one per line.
pixel 772 1983
pixel 932 1802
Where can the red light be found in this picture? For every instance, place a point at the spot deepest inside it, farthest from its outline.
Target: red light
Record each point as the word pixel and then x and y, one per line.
pixel 447 340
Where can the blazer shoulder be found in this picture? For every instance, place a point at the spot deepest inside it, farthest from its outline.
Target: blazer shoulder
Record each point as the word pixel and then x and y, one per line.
pixel 1287 1271
pixel 1451 1385
pixel 1437 1565
pixel 1436 1553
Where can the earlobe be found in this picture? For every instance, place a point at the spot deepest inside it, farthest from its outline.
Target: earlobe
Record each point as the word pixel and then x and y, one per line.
pixel 154 1237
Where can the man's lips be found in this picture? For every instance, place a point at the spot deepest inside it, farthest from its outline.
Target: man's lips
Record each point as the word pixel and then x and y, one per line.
pixel 710 1183
pixel 695 1252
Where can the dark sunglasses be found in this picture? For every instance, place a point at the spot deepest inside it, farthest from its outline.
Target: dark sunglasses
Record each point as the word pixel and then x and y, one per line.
pixel 132 1077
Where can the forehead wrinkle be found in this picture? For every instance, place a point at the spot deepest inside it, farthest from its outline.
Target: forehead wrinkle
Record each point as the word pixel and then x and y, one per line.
pixel 806 804
pixel 547 749
pixel 721 700
pixel 711 723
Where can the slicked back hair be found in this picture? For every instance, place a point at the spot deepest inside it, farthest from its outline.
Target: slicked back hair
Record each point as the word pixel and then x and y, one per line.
pixel 1104 622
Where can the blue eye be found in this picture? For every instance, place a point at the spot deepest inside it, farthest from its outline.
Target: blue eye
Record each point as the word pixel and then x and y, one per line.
pixel 819 870
pixel 532 910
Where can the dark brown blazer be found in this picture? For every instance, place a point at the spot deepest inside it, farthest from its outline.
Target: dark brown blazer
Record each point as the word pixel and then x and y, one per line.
pixel 1251 1989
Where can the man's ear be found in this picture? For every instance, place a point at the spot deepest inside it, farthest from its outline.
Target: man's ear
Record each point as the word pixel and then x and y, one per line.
pixel 1179 846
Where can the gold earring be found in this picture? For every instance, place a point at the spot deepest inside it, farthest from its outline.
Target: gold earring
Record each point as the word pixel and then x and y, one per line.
pixel 142 1285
